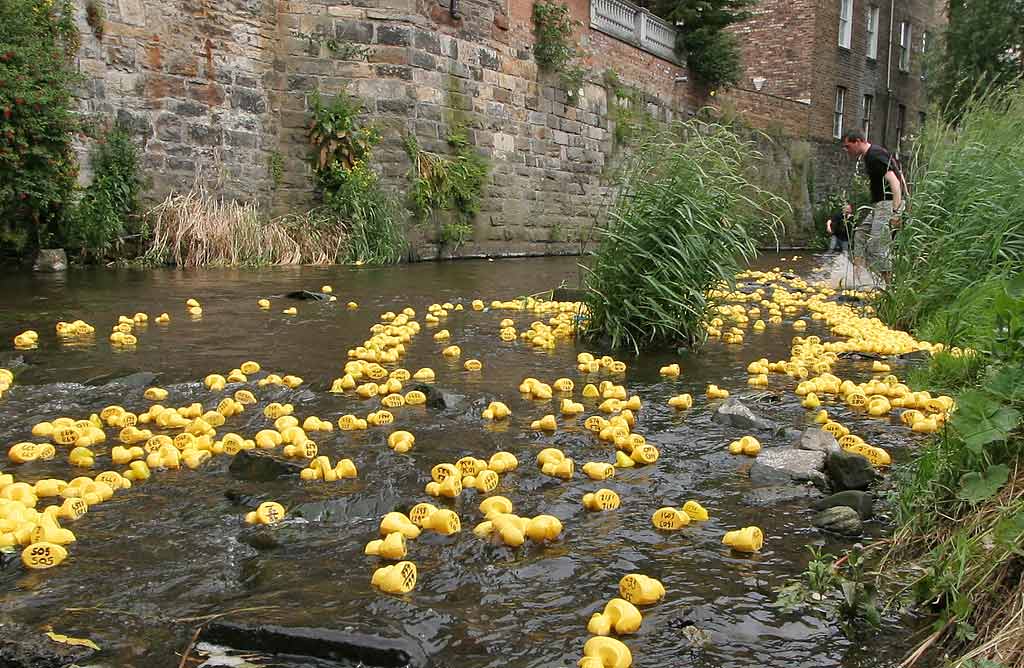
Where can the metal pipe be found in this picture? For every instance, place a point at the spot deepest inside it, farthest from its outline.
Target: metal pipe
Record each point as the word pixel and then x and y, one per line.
pixel 453 10
pixel 888 71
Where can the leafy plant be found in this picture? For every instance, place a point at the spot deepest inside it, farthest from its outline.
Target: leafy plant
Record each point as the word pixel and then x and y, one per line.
pixel 38 40
pixel 451 184
pixel 553 30
pixel 684 217
pixel 275 166
pixel 109 204
pixel 341 149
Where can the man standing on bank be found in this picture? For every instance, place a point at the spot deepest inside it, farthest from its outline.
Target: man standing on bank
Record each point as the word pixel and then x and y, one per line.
pixel 873 236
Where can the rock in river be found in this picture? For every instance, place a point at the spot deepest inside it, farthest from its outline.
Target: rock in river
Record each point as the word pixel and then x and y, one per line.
pixel 840 519
pixel 862 502
pixel 27 647
pixel 775 466
pixel 818 439
pixel 734 413
pixel 847 470
pixel 260 466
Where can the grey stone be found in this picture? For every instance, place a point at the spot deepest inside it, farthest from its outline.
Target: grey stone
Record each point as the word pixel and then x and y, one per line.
pixel 51 260
pixel 248 100
pixel 839 519
pixel 818 439
pixel 783 465
pixel 205 135
pixel 847 470
pixel 26 647
pixel 768 497
pixel 734 413
pixel 488 58
pixel 862 502
pixel 427 41
pixel 134 380
pixel 259 466
pixel 358 32
pixel 392 35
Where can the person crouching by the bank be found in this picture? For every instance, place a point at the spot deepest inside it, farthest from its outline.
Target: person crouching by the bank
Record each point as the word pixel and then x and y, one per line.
pixel 872 238
pixel 838 229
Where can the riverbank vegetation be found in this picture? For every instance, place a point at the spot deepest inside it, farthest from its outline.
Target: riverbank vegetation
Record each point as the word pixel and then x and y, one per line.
pixel 685 216
pixel 958 551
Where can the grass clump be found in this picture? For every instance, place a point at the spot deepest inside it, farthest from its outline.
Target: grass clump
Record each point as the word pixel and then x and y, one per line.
pixel 965 223
pixel 685 215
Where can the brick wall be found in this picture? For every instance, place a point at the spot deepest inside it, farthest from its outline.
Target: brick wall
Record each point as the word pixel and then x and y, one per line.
pixel 776 47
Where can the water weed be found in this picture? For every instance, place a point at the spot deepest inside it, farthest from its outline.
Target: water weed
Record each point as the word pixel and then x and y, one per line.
pixel 684 217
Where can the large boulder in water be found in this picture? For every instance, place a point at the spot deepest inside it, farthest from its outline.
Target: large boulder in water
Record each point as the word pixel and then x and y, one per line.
pixel 734 413
pixel 847 470
pixel 862 502
pixel 775 466
pixel 51 260
pixel 818 439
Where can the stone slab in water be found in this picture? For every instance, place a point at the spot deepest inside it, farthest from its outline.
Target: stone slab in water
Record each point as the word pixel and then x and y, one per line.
pixel 769 497
pixel 775 466
pixel 862 502
pixel 26 647
pixel 371 650
pixel 734 413
pixel 259 466
pixel 842 520
pixel 818 439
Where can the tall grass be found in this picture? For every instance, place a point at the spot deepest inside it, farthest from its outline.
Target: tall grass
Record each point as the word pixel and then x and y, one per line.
pixel 685 214
pixel 196 229
pixel 965 221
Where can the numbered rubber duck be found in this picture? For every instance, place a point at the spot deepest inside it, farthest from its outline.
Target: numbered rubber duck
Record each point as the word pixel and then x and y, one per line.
pixel 155 394
pixel 714 392
pixel 443 521
pixel 397 579
pixel 602 499
pixel 749 539
pixel 564 385
pixel 268 512
pixel 43 555
pixel 695 511
pixel 669 519
pixel 452 352
pixel 619 616
pixel 82 458
pixel 590 391
pixel 811 401
pixel 623 461
pixel 450 486
pixel 598 470
pixel 644 454
pixel 415 398
pixel 392 546
pixel 401 441
pixel 496 410
pixel 640 589
pixel 472 365
pixel 546 423
pixel 543 528
pixel 137 471
pixel 570 407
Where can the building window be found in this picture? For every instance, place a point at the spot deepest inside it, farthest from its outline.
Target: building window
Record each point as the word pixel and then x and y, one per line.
pixel 837 116
pixel 904 62
pixel 845 23
pixel 901 125
pixel 866 107
pixel 873 33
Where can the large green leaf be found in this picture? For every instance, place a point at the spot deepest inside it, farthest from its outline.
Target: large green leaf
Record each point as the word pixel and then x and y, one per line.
pixel 1015 287
pixel 981 419
pixel 1008 383
pixel 976 487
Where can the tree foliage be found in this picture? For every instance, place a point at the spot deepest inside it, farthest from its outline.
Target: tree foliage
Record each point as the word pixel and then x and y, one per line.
pixel 982 47
pixel 712 53
pixel 38 38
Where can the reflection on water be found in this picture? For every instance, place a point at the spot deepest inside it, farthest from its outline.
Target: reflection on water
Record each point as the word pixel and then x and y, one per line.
pixel 154 558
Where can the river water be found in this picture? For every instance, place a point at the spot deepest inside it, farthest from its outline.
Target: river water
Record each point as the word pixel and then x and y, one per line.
pixel 154 558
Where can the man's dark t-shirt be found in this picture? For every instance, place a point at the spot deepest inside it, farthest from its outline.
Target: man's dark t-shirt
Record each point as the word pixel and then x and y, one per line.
pixel 839 227
pixel 876 163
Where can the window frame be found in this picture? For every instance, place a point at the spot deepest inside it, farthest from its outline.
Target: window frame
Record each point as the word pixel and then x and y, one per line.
pixel 867 107
pixel 872 30
pixel 906 39
pixel 845 24
pixel 838 112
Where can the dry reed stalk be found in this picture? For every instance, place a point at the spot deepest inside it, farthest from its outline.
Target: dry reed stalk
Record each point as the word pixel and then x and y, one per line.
pixel 196 229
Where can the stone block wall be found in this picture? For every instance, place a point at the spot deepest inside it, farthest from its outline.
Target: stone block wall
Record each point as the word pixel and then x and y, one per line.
pixel 217 90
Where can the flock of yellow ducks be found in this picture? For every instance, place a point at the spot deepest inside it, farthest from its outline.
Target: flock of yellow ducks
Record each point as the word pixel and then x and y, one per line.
pixel 165 437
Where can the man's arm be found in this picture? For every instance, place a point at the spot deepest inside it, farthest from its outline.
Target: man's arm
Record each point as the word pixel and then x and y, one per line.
pixel 895 188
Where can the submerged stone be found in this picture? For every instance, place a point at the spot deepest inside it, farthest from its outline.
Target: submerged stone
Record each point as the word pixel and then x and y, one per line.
pixel 847 470
pixel 839 519
pixel 775 466
pixel 862 502
pixel 26 647
pixel 768 497
pixel 734 413
pixel 259 466
pixel 818 439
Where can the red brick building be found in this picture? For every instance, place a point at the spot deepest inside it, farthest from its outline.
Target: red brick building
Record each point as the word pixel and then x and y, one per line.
pixel 853 64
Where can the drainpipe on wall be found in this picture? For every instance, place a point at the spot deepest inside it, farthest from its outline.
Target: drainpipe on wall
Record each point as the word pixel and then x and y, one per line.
pixel 888 72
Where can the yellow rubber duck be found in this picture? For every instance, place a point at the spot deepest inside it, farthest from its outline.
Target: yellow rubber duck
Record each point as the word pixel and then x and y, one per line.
pixel 695 511
pixel 623 461
pixel 401 441
pixel 639 589
pixel 598 470
pixel 42 555
pixel 602 499
pixel 501 462
pixel 546 423
pixel 443 521
pixel 681 401
pixel 670 371
pixel 472 365
pixel 619 616
pixel 749 539
pixel 397 579
pixel 396 521
pixel 391 546
pixel 714 392
pixel 669 519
